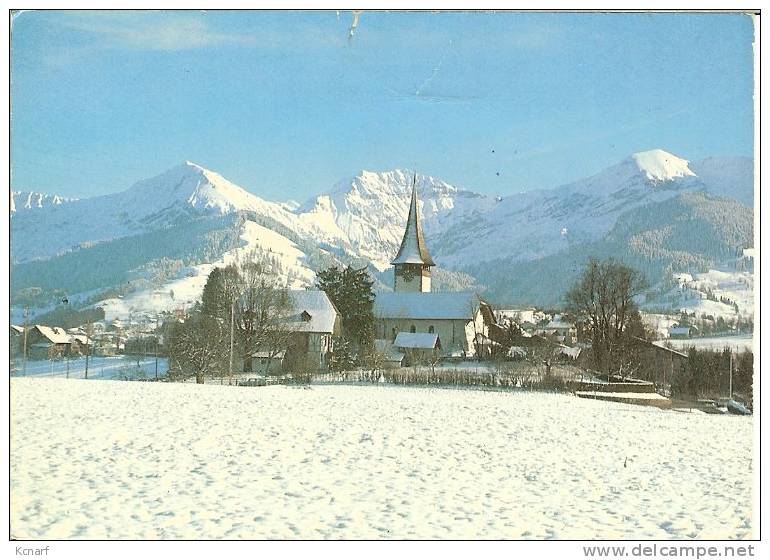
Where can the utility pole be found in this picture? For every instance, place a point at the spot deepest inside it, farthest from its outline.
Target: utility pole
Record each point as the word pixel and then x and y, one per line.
pixel 232 321
pixel 89 341
pixel 156 347
pixel 26 328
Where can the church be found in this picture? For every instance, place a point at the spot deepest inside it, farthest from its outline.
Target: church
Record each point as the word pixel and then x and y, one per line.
pixel 455 318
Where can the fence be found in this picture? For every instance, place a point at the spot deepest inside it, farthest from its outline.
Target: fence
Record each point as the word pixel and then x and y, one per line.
pixel 522 378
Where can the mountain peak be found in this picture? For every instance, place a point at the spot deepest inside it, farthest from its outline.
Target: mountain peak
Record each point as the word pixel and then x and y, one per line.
pixel 659 165
pixel 193 165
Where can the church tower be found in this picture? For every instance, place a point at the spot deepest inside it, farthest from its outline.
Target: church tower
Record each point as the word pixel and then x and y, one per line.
pixel 413 261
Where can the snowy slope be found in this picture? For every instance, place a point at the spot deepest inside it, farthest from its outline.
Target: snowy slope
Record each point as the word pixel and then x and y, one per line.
pixel 184 291
pixel 658 165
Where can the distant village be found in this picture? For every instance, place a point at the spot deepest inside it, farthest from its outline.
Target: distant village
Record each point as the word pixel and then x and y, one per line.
pixel 444 335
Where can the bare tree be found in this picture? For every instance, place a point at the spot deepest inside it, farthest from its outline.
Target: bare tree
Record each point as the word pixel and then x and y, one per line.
pixel 604 298
pixel 252 297
pixel 199 346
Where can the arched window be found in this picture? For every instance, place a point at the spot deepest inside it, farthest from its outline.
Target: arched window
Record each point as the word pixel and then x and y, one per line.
pixel 394 333
pixel 412 329
pixel 430 329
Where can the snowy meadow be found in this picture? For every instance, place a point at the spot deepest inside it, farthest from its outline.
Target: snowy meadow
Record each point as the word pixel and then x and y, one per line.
pixel 121 460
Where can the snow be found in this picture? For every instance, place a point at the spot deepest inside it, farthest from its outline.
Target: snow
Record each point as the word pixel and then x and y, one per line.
pixel 99 367
pixel 187 290
pixel 55 335
pixel 425 305
pixel 736 343
pixel 659 165
pixel 638 396
pixel 415 340
pixel 150 461
pixel 31 200
pixel 737 286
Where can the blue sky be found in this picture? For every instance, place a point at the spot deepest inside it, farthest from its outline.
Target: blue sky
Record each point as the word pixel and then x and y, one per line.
pixel 285 104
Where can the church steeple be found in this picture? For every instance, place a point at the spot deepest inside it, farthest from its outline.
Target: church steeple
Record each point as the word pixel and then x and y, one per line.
pixel 413 261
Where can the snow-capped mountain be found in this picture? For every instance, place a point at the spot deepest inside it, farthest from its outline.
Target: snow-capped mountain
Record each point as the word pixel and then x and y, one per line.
pixel 536 224
pixel 181 193
pixel 367 213
pixel 170 230
pixel 31 200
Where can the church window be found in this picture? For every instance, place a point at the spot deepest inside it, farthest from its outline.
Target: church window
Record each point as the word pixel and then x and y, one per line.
pixel 430 329
pixel 412 329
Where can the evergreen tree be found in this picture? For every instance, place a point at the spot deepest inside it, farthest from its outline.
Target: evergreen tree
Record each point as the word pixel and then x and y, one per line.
pixel 350 290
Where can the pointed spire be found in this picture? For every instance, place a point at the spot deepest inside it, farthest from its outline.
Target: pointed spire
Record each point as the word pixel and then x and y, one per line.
pixel 413 249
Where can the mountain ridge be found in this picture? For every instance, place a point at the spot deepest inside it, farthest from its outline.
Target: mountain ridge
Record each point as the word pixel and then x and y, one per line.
pixel 360 219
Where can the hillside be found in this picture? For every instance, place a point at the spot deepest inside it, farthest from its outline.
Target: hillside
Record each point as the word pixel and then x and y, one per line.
pixel 692 231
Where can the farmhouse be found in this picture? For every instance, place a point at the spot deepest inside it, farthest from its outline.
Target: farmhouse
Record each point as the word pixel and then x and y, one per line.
pixel 455 318
pixel 310 329
pixel 44 342
pixel 661 364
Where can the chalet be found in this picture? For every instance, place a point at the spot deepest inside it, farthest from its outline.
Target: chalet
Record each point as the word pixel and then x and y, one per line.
pixel 313 325
pixel 455 318
pixel 82 343
pixel 44 342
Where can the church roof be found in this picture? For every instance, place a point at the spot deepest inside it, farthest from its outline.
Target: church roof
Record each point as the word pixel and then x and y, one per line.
pixel 425 305
pixel 413 249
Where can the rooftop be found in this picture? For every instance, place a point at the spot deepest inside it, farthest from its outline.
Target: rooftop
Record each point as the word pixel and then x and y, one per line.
pixel 425 305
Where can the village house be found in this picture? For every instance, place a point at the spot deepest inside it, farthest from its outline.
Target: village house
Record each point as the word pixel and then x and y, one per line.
pixel 17 341
pixel 682 332
pixel 661 364
pixel 311 328
pixel 454 317
pixel 389 355
pixel 45 342
pixel 559 330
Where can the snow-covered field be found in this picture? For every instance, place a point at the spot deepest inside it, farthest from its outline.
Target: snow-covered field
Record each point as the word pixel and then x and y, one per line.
pixel 99 367
pixel 737 343
pixel 126 460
